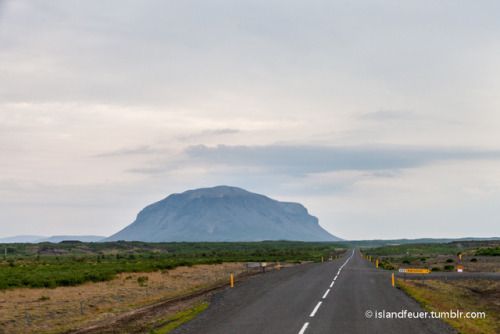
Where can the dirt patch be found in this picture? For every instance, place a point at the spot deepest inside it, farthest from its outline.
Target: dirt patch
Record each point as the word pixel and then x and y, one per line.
pixel 65 308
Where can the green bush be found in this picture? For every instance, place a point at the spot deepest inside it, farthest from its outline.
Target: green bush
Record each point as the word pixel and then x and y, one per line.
pixel 142 279
pixel 489 251
pixel 448 267
pixel 449 261
pixel 386 266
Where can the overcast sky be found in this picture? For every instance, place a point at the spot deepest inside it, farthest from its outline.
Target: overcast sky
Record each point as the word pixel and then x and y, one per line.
pixel 381 117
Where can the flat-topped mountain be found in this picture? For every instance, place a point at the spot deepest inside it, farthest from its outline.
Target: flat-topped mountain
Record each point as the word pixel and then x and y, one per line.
pixel 222 214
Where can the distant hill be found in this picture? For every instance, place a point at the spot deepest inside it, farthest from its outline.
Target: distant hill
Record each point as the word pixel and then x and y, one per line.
pixel 20 239
pixel 53 239
pixel 223 214
pixel 82 238
pixel 389 242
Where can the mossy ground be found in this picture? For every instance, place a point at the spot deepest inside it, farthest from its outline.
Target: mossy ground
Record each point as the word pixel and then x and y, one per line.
pixel 168 324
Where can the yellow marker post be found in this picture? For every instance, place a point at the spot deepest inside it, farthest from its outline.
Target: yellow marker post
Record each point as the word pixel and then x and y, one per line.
pixel 232 282
pixel 392 279
pixel 370 259
pixel 376 263
pixel 460 255
pixel 278 266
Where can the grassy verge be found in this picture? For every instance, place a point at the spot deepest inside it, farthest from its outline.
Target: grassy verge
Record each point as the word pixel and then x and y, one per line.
pixel 180 318
pixel 465 296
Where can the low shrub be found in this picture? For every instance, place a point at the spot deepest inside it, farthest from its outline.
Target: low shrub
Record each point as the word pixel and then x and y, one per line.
pixel 142 279
pixel 489 251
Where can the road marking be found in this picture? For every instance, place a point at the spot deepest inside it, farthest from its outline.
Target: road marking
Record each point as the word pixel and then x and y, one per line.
pixel 315 309
pixel 304 328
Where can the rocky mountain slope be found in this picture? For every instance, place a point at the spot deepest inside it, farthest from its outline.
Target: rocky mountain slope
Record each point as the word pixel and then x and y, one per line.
pixel 223 214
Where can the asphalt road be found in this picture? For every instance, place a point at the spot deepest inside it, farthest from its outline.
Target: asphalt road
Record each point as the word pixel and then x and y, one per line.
pixel 330 297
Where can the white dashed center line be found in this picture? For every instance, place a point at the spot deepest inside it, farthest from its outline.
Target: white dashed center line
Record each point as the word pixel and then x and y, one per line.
pixel 315 309
pixel 304 328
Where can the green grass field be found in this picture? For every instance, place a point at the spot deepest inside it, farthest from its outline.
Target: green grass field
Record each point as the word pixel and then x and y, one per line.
pixel 68 264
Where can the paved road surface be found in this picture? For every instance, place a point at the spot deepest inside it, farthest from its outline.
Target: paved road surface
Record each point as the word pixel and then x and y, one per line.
pixel 330 297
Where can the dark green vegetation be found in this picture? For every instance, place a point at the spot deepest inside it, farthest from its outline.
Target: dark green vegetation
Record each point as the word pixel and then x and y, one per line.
pixel 488 251
pixel 65 264
pixel 413 251
pixel 363 244
pixel 437 257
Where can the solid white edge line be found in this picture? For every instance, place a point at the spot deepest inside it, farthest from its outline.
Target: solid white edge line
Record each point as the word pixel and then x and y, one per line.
pixel 326 293
pixel 304 328
pixel 315 309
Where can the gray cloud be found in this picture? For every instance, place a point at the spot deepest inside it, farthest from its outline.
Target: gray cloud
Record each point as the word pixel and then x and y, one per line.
pixel 207 133
pixel 320 159
pixel 383 115
pixel 142 150
pixel 149 170
pixel 387 173
pixel 222 131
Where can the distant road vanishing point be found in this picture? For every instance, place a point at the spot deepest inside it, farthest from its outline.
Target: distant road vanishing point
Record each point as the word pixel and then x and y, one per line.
pixel 340 296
